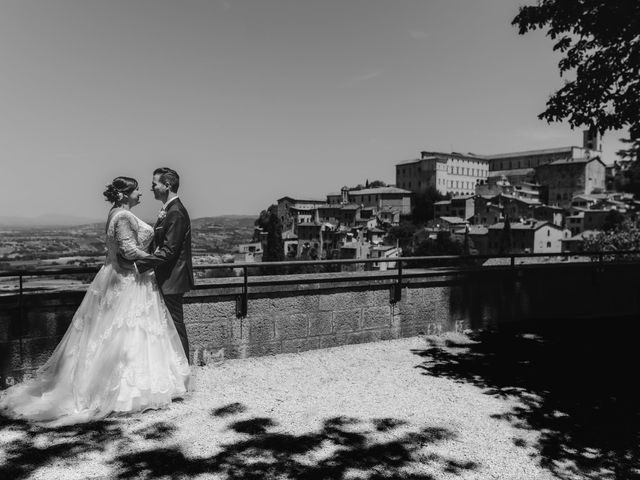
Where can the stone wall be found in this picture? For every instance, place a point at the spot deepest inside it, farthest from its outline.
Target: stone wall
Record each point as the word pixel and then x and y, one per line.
pixel 342 310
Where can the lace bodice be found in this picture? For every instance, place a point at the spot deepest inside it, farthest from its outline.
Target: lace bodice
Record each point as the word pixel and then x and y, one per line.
pixel 127 236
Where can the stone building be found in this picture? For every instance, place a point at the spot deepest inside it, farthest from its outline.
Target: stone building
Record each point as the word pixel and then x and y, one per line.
pixel 566 178
pixel 380 198
pixel 347 215
pixel 493 209
pixel 449 173
pixel 548 213
pixel 293 211
pixel 528 237
pixel 463 207
pixel 459 174
pixel 585 219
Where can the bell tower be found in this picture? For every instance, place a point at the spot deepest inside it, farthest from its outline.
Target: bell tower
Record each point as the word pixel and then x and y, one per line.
pixel 591 139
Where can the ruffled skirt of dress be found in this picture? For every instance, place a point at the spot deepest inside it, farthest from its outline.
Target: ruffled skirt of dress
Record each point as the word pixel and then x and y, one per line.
pixel 121 353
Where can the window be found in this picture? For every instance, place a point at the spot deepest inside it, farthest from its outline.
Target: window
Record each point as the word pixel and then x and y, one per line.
pixel 548 244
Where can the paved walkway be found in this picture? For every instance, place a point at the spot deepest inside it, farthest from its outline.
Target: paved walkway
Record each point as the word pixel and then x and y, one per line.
pixel 360 411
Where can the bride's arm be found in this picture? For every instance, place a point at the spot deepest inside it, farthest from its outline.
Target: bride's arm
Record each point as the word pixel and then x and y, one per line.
pixel 125 234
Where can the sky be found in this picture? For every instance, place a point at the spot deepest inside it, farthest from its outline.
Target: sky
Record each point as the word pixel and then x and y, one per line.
pixel 252 100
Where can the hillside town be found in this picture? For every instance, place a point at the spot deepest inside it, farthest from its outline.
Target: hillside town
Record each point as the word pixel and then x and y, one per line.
pixel 548 200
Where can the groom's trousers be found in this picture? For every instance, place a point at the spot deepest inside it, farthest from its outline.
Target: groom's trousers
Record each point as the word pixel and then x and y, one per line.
pixel 174 305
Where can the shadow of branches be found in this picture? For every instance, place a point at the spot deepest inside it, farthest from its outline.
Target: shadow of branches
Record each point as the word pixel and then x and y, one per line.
pixel 575 385
pixel 37 446
pixel 379 449
pixel 340 447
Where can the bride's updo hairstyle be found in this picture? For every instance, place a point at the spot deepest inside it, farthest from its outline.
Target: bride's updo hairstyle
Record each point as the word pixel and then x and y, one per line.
pixel 119 188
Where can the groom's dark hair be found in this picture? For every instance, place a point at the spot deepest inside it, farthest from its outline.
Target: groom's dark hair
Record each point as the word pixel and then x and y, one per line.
pixel 168 177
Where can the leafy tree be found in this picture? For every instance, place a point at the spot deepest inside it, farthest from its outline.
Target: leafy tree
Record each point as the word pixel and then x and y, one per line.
pixel 403 234
pixel 368 184
pixel 377 184
pixel 443 244
pixel 625 236
pixel 630 181
pixel 423 205
pixel 601 47
pixel 269 222
pixel 612 220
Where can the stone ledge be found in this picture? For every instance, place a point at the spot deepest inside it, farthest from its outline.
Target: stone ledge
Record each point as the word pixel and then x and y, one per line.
pixel 352 309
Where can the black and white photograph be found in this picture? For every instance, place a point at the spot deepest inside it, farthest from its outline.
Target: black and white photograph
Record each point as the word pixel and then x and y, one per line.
pixel 319 239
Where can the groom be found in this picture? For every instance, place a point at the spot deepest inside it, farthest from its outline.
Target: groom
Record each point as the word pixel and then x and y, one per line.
pixel 171 249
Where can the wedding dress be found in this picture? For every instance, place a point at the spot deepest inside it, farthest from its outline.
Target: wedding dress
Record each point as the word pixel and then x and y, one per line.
pixel 121 352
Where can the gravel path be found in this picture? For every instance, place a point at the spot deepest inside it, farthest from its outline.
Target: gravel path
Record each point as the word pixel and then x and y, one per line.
pixel 358 411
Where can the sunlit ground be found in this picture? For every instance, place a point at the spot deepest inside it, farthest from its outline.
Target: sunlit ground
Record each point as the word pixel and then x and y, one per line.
pixel 405 409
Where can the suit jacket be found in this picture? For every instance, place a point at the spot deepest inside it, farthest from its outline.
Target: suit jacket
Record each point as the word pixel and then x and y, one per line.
pixel 171 251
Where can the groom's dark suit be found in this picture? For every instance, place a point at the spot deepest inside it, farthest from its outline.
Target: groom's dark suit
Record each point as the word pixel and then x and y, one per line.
pixel 171 259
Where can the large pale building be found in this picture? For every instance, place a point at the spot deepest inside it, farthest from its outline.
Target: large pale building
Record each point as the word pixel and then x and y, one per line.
pixel 450 173
pixel 458 174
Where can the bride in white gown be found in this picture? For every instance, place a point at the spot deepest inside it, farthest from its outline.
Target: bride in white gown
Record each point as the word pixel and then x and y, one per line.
pixel 121 352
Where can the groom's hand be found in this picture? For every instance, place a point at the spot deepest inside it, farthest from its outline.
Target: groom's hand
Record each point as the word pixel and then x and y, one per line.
pixel 126 264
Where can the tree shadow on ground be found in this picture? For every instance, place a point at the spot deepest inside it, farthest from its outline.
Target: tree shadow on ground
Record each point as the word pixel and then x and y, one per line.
pixel 36 446
pixel 341 447
pixel 377 449
pixel 576 386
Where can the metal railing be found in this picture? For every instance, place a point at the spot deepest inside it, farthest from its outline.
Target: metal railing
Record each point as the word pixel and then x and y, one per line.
pixel 428 266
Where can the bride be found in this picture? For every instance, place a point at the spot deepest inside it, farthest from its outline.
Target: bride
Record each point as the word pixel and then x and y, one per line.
pixel 122 352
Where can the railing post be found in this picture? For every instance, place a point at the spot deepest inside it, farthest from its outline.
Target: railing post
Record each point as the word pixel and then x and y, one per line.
pixel 396 288
pixel 242 299
pixel 20 316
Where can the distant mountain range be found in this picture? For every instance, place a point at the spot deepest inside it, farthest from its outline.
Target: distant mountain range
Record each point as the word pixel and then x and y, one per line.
pixel 50 220
pixel 59 220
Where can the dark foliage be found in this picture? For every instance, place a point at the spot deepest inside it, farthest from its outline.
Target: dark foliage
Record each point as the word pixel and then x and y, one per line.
pixel 261 452
pixel 443 244
pixel 601 51
pixel 403 235
pixel 269 222
pixel 574 385
pixel 630 179
pixel 423 205
pixel 613 219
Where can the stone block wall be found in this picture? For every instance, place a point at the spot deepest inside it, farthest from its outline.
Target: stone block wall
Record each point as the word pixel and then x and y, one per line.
pixel 305 316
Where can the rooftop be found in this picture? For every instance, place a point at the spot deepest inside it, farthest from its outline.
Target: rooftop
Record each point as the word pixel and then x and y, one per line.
pixel 571 161
pixel 514 171
pixel 531 225
pixel 478 230
pixel 300 200
pixel 453 220
pixel 379 191
pixel 527 153
pixel 582 236
pixel 427 155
